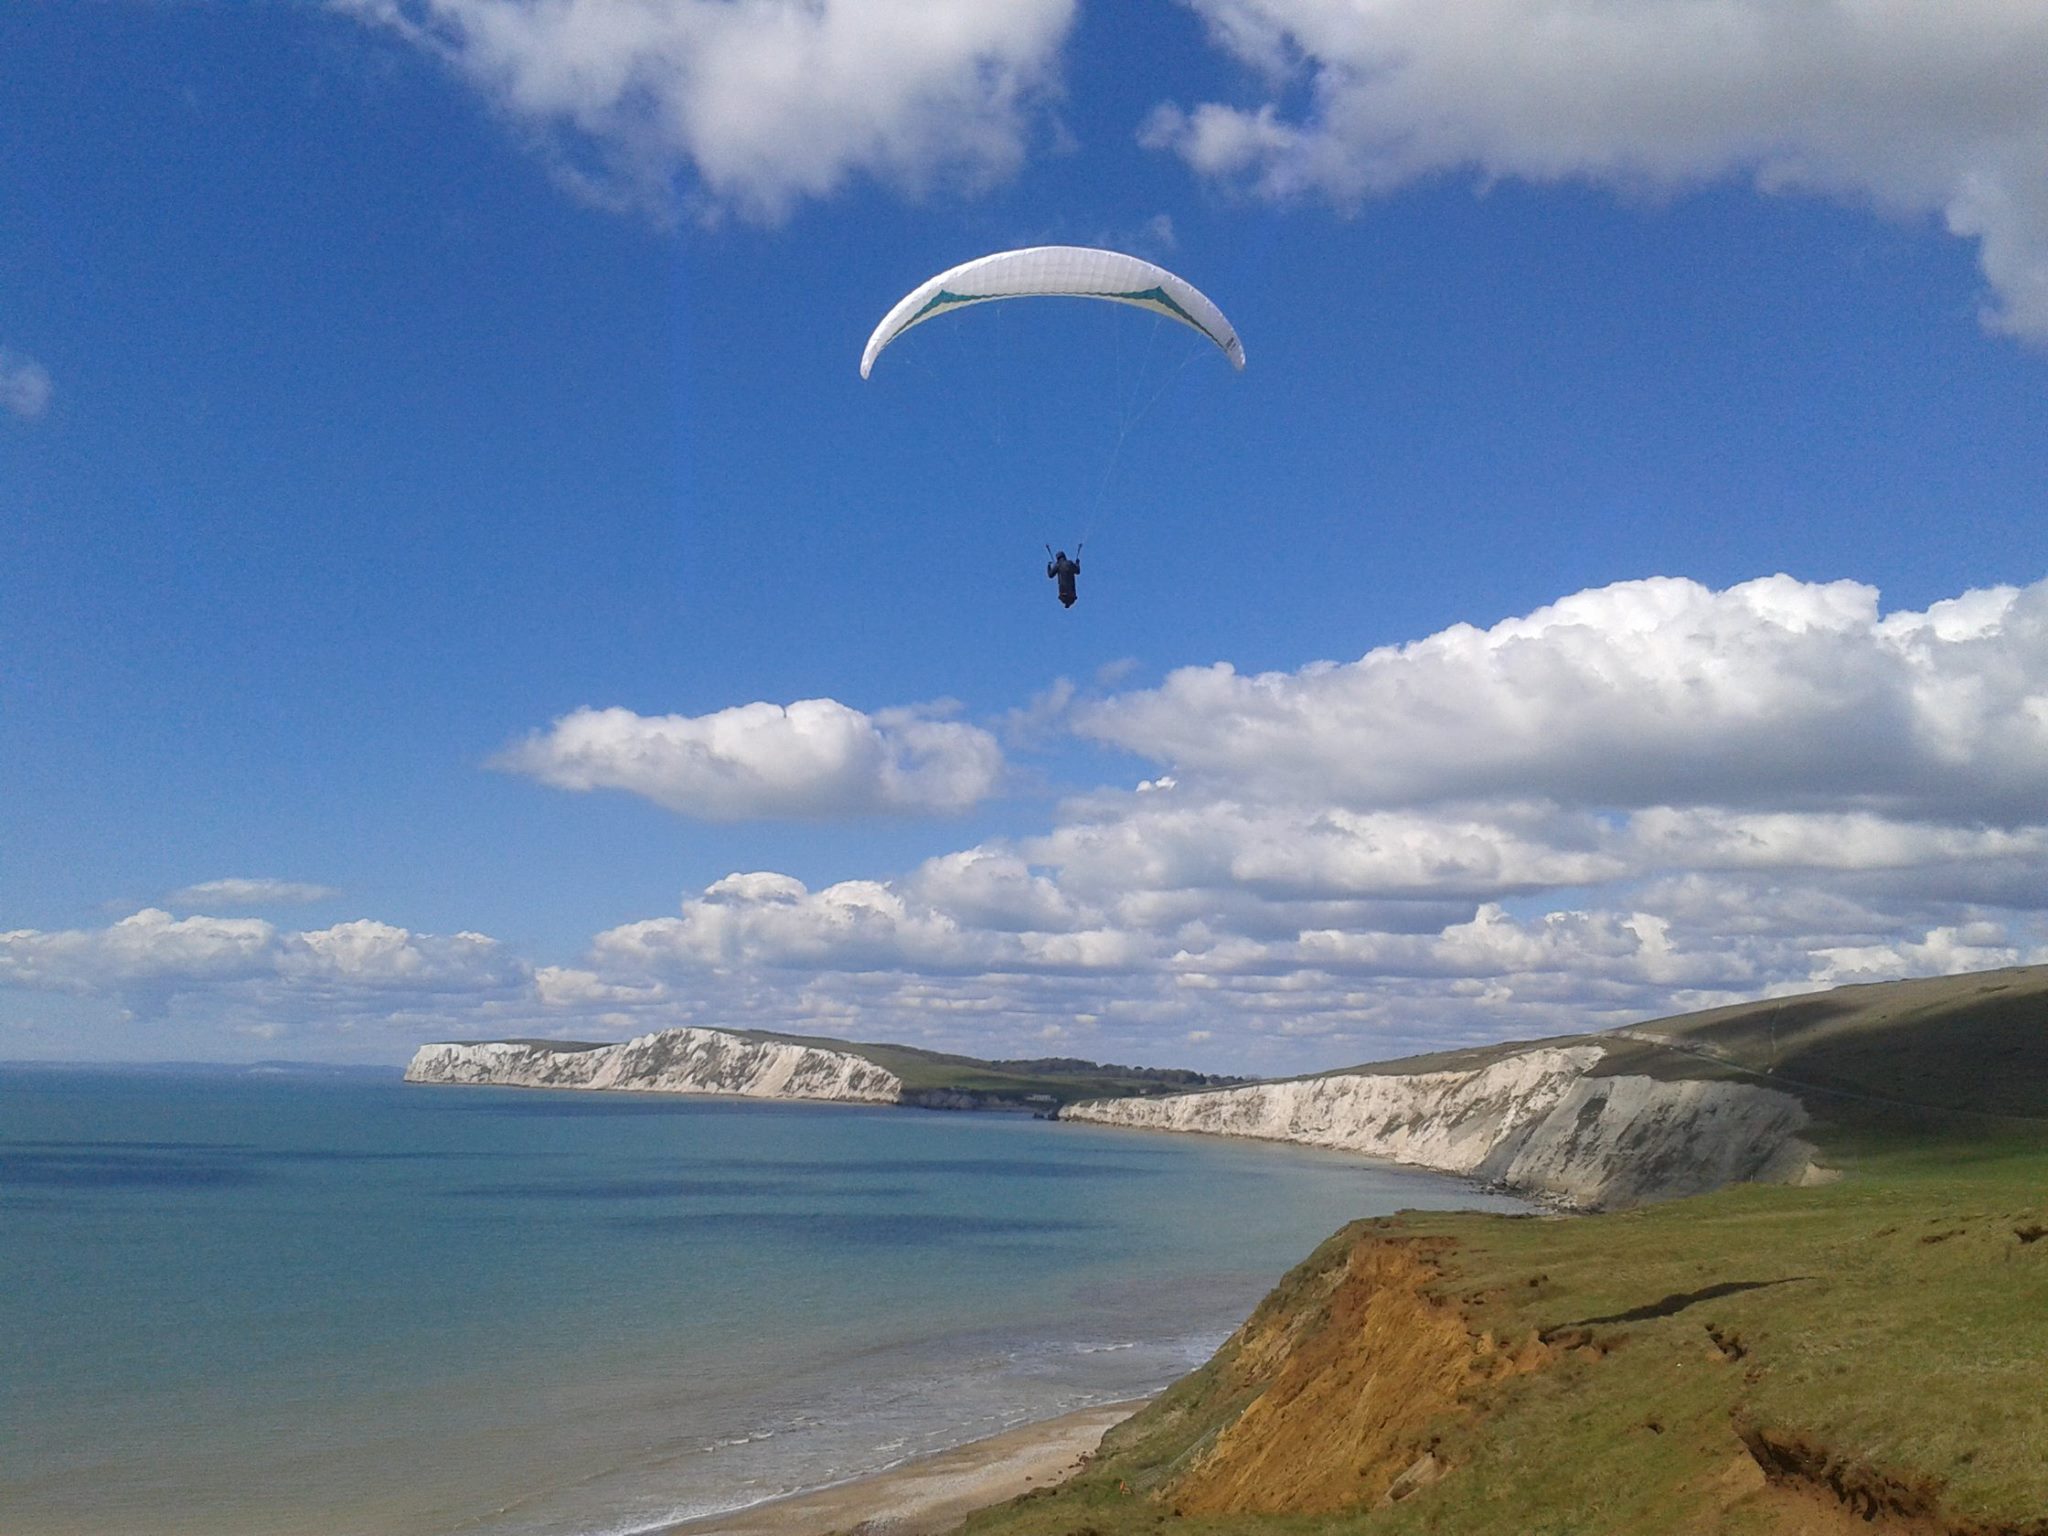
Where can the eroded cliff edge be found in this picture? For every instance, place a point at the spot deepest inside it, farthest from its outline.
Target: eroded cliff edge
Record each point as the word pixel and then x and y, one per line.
pixel 670 1061
pixel 1541 1121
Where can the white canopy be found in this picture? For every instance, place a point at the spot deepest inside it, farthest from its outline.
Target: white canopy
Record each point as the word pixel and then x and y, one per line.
pixel 1072 271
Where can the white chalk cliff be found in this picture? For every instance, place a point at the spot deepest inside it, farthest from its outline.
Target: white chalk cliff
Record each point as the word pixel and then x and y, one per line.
pixel 670 1061
pixel 1536 1122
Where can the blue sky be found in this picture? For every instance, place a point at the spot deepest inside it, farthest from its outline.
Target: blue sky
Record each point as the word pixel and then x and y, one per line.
pixel 432 459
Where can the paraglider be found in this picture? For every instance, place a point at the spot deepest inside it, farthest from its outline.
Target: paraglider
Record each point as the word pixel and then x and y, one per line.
pixel 1058 271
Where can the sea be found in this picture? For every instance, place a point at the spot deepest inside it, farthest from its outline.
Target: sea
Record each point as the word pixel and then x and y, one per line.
pixel 267 1302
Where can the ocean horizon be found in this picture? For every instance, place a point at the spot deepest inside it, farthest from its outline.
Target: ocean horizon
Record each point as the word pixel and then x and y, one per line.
pixel 267 1300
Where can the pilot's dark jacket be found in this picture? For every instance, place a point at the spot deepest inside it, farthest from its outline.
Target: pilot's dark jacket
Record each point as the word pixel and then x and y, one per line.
pixel 1063 570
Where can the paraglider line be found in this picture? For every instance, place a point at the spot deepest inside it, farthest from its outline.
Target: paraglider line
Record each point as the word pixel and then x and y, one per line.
pixel 1130 424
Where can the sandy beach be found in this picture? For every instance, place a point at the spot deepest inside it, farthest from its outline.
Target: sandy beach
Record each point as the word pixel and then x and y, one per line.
pixel 935 1493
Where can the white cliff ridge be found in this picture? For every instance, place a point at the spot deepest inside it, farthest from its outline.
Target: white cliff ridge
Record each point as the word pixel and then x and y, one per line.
pixel 1537 1122
pixel 670 1061
pixel 1540 1121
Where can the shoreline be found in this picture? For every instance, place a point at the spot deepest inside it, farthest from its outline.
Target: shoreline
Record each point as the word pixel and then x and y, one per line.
pixel 931 1494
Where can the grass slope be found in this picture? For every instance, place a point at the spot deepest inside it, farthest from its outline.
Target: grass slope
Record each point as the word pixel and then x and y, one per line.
pixel 1934 1057
pixel 1039 1083
pixel 1869 1356
pixel 1973 1045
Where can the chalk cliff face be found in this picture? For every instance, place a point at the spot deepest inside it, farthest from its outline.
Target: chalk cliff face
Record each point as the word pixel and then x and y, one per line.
pixel 671 1061
pixel 1535 1122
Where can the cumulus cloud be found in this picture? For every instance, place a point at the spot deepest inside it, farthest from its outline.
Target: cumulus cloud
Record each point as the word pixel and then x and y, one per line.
pixel 150 960
pixel 24 386
pixel 149 946
pixel 1114 848
pixel 1977 946
pixel 1775 693
pixel 240 891
pixel 370 954
pixel 1911 108
pixel 814 759
pixel 568 987
pixel 755 105
pixel 1637 800
pixel 765 921
pixel 996 890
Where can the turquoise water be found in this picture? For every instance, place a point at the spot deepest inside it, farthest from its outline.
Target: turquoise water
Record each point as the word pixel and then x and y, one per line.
pixel 278 1303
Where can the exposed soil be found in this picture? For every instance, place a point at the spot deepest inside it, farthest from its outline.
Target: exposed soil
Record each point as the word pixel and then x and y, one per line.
pixel 1728 1346
pixel 1816 1492
pixel 1347 1418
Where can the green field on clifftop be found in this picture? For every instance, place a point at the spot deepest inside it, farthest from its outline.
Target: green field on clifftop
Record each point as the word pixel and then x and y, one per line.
pixel 1869 1355
pixel 1038 1083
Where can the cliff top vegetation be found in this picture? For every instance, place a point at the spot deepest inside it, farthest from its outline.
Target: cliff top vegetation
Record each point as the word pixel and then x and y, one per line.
pixel 1042 1081
pixel 1866 1356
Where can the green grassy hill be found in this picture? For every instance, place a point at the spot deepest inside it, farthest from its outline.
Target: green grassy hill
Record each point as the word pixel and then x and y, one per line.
pixel 1869 1356
pixel 1930 1057
pixel 1040 1083
pixel 1974 1045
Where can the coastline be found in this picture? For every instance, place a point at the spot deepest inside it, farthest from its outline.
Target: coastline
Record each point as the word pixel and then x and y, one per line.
pixel 932 1494
pixel 983 1299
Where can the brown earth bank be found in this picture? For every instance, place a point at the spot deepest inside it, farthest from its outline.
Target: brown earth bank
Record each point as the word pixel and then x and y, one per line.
pixel 1352 1383
pixel 1408 1379
pixel 1333 1394
pixel 1808 1489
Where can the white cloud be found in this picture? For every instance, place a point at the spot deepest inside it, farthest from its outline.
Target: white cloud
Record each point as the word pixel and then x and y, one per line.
pixel 366 953
pixel 1772 694
pixel 989 888
pixel 240 891
pixel 1977 946
pixel 1115 846
pixel 568 987
pixel 149 946
pixel 1843 842
pixel 25 386
pixel 814 759
pixel 761 102
pixel 151 961
pixel 754 922
pixel 1638 800
pixel 1913 108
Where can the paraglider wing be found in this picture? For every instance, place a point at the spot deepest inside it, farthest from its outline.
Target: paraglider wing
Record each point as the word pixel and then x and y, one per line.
pixel 1073 271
